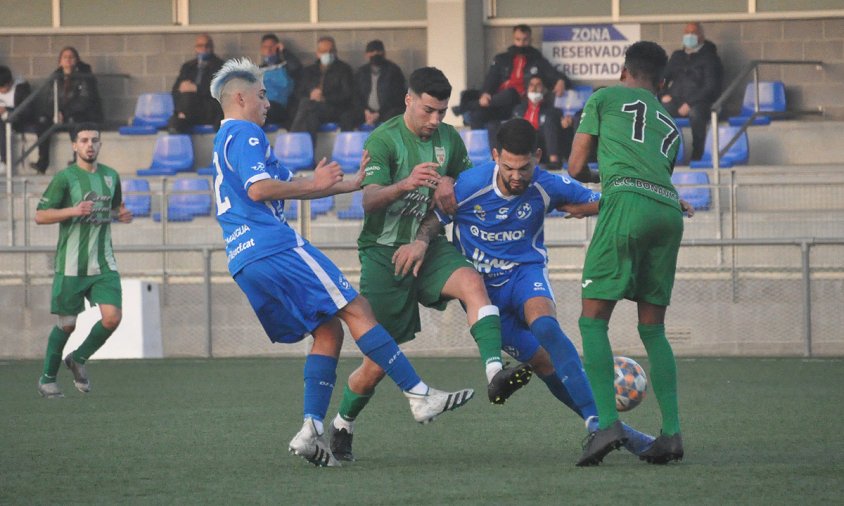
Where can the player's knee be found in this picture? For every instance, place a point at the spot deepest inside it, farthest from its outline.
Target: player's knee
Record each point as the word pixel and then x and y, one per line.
pixel 111 322
pixel 67 323
pixel 541 363
pixel 470 286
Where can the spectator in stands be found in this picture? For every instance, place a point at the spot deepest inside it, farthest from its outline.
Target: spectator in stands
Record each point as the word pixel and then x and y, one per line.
pixel 281 71
pixel 13 91
pixel 504 86
pixel 693 83
pixel 79 99
pixel 326 91
pixel 380 87
pixel 538 108
pixel 191 91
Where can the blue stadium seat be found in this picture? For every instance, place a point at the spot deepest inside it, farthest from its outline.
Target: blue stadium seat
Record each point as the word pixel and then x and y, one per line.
pixel 322 205
pixel 328 127
pixel 271 128
pixel 700 197
pixel 206 171
pixel 152 110
pixel 139 204
pixel 355 209
pixel 174 216
pixel 573 99
pixel 295 150
pixel 291 209
pixel 477 144
pixel 348 149
pixel 195 204
pixel 738 154
pixel 681 122
pixel 202 129
pixel 681 152
pixel 172 154
pixel 771 99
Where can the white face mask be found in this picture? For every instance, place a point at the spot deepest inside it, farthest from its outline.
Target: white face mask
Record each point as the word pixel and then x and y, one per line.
pixel 534 96
pixel 690 40
pixel 326 58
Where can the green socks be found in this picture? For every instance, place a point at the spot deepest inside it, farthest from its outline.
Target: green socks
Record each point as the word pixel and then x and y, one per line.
pixel 53 357
pixel 96 338
pixel 663 375
pixel 487 334
pixel 598 363
pixel 352 404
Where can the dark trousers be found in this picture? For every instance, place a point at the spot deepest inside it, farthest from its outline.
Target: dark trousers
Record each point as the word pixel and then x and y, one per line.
pixel 698 119
pixel 311 114
pixel 198 110
pixel 500 109
pixel 38 128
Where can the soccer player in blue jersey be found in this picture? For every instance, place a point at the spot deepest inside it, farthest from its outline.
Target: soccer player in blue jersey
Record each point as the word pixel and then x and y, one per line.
pixel 294 289
pixel 499 225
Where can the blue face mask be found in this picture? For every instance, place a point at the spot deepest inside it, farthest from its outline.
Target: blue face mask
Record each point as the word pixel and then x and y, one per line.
pixel 203 56
pixel 271 59
pixel 690 40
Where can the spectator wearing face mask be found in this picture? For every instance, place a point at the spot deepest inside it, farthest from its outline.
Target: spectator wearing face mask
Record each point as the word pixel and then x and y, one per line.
pixel 504 85
pixel 538 108
pixel 326 91
pixel 193 103
pixel 380 87
pixel 281 70
pixel 693 83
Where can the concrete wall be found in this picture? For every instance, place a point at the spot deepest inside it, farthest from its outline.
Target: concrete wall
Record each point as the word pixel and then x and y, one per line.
pixel 741 41
pixel 153 60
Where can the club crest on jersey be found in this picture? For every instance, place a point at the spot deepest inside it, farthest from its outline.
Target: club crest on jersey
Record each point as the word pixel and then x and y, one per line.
pixel 110 183
pixel 439 153
pixel 524 211
pixel 479 212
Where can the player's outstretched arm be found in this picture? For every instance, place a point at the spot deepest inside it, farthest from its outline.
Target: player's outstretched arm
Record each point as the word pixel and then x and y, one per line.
pixel 346 185
pixel 326 175
pixel 579 210
pixel 409 257
pixel 581 148
pixel 377 197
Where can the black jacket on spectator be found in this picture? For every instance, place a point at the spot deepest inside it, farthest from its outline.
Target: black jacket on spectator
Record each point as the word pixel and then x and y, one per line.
pixel 189 70
pixel 536 64
pixel 199 108
pixel 694 78
pixel 79 98
pixel 392 88
pixel 337 85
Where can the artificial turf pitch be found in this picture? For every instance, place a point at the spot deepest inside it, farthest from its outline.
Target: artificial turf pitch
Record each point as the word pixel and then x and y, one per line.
pixel 181 431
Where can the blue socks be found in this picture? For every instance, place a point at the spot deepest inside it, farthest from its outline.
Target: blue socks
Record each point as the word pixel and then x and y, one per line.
pixel 381 348
pixel 567 364
pixel 559 391
pixel 320 376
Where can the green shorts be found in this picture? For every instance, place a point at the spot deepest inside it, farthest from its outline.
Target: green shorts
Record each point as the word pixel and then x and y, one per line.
pixel 70 292
pixel 394 299
pixel 633 254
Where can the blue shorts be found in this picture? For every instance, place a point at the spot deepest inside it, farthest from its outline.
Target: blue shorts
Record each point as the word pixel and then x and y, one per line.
pixel 294 292
pixel 510 294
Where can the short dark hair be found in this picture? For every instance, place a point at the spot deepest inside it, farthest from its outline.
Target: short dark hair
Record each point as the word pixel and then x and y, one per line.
pixel 81 127
pixel 270 36
pixel 5 76
pixel 430 80
pixel 517 136
pixel 522 28
pixel 646 60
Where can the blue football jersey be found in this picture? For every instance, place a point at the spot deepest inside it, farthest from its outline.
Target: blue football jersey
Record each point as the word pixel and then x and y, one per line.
pixel 252 230
pixel 499 232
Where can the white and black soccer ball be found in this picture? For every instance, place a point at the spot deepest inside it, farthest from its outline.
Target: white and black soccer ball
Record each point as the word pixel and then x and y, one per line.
pixel 631 383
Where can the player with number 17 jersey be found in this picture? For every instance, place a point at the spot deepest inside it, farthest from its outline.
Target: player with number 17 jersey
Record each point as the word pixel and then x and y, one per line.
pixel 499 233
pixel 252 230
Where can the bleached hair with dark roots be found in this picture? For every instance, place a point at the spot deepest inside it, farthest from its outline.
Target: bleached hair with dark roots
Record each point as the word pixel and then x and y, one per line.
pixel 236 68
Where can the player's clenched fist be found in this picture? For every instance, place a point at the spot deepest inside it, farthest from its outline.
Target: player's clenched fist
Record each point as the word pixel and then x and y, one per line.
pixel 425 174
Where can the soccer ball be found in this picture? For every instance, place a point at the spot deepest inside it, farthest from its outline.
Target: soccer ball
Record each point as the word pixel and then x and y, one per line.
pixel 631 384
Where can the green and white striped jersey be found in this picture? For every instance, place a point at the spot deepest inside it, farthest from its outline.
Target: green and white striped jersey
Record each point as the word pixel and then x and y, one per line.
pixel 394 151
pixel 84 247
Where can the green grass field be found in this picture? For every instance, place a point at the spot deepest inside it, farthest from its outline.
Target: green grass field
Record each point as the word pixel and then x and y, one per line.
pixel 756 431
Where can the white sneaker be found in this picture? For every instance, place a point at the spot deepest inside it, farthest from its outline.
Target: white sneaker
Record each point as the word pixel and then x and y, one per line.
pixel 425 408
pixel 80 375
pixel 311 446
pixel 49 390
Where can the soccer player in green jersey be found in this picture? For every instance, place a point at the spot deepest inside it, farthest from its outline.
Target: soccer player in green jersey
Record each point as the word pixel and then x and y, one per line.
pixel 633 253
pixel 411 156
pixel 83 199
